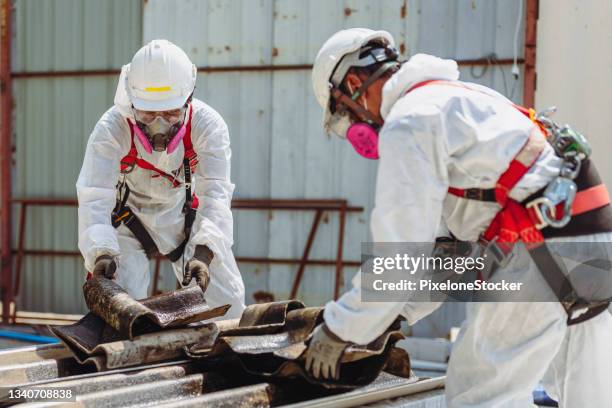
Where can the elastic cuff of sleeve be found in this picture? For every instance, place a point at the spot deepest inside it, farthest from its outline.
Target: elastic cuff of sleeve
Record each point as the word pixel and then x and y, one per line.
pixel 95 254
pixel 203 253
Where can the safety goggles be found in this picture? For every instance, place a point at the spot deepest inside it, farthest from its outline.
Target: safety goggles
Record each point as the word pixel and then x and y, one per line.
pixel 173 116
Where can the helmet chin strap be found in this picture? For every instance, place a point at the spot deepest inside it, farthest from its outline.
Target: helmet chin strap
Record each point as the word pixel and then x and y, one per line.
pixel 356 108
pixel 351 102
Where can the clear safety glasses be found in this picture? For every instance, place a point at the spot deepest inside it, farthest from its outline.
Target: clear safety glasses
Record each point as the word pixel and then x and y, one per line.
pixel 171 116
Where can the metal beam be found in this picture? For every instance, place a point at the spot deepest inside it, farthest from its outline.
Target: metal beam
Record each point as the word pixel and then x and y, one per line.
pixel 6 147
pixel 531 32
pixel 232 68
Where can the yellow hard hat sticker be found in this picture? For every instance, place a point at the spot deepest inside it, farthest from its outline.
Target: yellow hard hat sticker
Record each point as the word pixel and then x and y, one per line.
pixel 158 88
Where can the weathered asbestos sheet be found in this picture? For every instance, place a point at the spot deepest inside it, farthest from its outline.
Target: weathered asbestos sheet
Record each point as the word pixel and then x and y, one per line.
pixel 131 317
pixel 122 332
pixel 268 341
pixel 271 338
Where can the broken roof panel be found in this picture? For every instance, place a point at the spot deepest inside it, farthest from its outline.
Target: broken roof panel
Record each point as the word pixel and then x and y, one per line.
pixel 130 317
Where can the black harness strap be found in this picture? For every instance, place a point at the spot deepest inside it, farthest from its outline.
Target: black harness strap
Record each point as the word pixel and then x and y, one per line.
pixel 556 276
pixel 177 252
pixel 140 232
pixel 188 209
pixel 122 214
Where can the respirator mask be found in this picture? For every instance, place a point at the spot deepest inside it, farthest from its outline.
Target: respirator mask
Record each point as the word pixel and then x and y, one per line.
pixel 160 131
pixel 349 119
pixel 362 133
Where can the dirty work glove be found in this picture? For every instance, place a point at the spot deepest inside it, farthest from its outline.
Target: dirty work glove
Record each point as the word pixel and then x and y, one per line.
pixel 324 353
pixel 197 267
pixel 106 266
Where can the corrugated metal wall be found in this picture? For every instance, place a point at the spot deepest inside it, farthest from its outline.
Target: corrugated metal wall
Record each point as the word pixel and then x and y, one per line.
pixel 53 119
pixel 279 148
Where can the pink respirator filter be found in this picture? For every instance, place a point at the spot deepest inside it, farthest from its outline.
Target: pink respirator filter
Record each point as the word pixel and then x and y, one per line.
pixel 364 139
pixel 176 139
pixel 144 141
pixel 142 138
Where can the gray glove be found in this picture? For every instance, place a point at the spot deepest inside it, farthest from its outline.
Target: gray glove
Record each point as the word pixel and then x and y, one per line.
pixel 106 266
pixel 197 267
pixel 324 353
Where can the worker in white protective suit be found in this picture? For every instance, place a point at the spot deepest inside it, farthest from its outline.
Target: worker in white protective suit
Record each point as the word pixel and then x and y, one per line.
pixel 156 179
pixel 429 137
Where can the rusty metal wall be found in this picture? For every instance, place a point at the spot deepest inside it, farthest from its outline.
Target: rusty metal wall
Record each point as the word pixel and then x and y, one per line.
pixel 52 121
pixel 279 148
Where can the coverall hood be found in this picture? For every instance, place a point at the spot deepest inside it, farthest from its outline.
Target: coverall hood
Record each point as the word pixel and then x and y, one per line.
pixel 122 100
pixel 419 68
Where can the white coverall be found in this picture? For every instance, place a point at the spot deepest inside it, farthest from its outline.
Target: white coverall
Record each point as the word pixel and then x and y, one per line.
pixel 439 136
pixel 158 205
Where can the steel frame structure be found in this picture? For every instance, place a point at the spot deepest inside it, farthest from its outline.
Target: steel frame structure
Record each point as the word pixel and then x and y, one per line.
pixel 319 207
pixel 6 156
pixel 6 144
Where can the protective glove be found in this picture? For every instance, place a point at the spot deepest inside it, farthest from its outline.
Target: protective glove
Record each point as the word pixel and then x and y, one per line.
pixel 324 353
pixel 197 267
pixel 106 266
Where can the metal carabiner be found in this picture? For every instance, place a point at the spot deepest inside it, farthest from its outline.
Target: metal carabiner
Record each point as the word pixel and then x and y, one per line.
pixel 571 166
pixel 560 191
pixel 543 118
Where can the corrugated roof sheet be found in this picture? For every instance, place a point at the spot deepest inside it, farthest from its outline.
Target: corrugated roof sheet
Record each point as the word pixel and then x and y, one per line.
pixel 180 383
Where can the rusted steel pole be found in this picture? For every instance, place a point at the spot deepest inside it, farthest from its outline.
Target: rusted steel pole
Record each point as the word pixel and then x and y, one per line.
pixel 232 68
pixel 339 266
pixel 244 259
pixel 531 31
pixel 6 145
pixel 19 258
pixel 311 236
pixel 292 261
pixel 318 206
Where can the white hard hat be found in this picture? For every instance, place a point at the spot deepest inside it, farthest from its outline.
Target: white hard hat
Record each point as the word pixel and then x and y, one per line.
pixel 160 77
pixel 335 48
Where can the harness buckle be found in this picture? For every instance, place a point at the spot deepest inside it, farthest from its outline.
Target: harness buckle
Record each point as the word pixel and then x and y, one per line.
pixel 473 194
pixel 534 207
pixel 495 257
pixel 128 168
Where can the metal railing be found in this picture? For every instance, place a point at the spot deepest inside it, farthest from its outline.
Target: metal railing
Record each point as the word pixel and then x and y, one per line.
pixel 318 206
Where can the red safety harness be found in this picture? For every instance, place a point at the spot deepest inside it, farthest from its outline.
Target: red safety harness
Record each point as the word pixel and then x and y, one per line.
pixel 516 221
pixel 131 159
pixel 123 214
